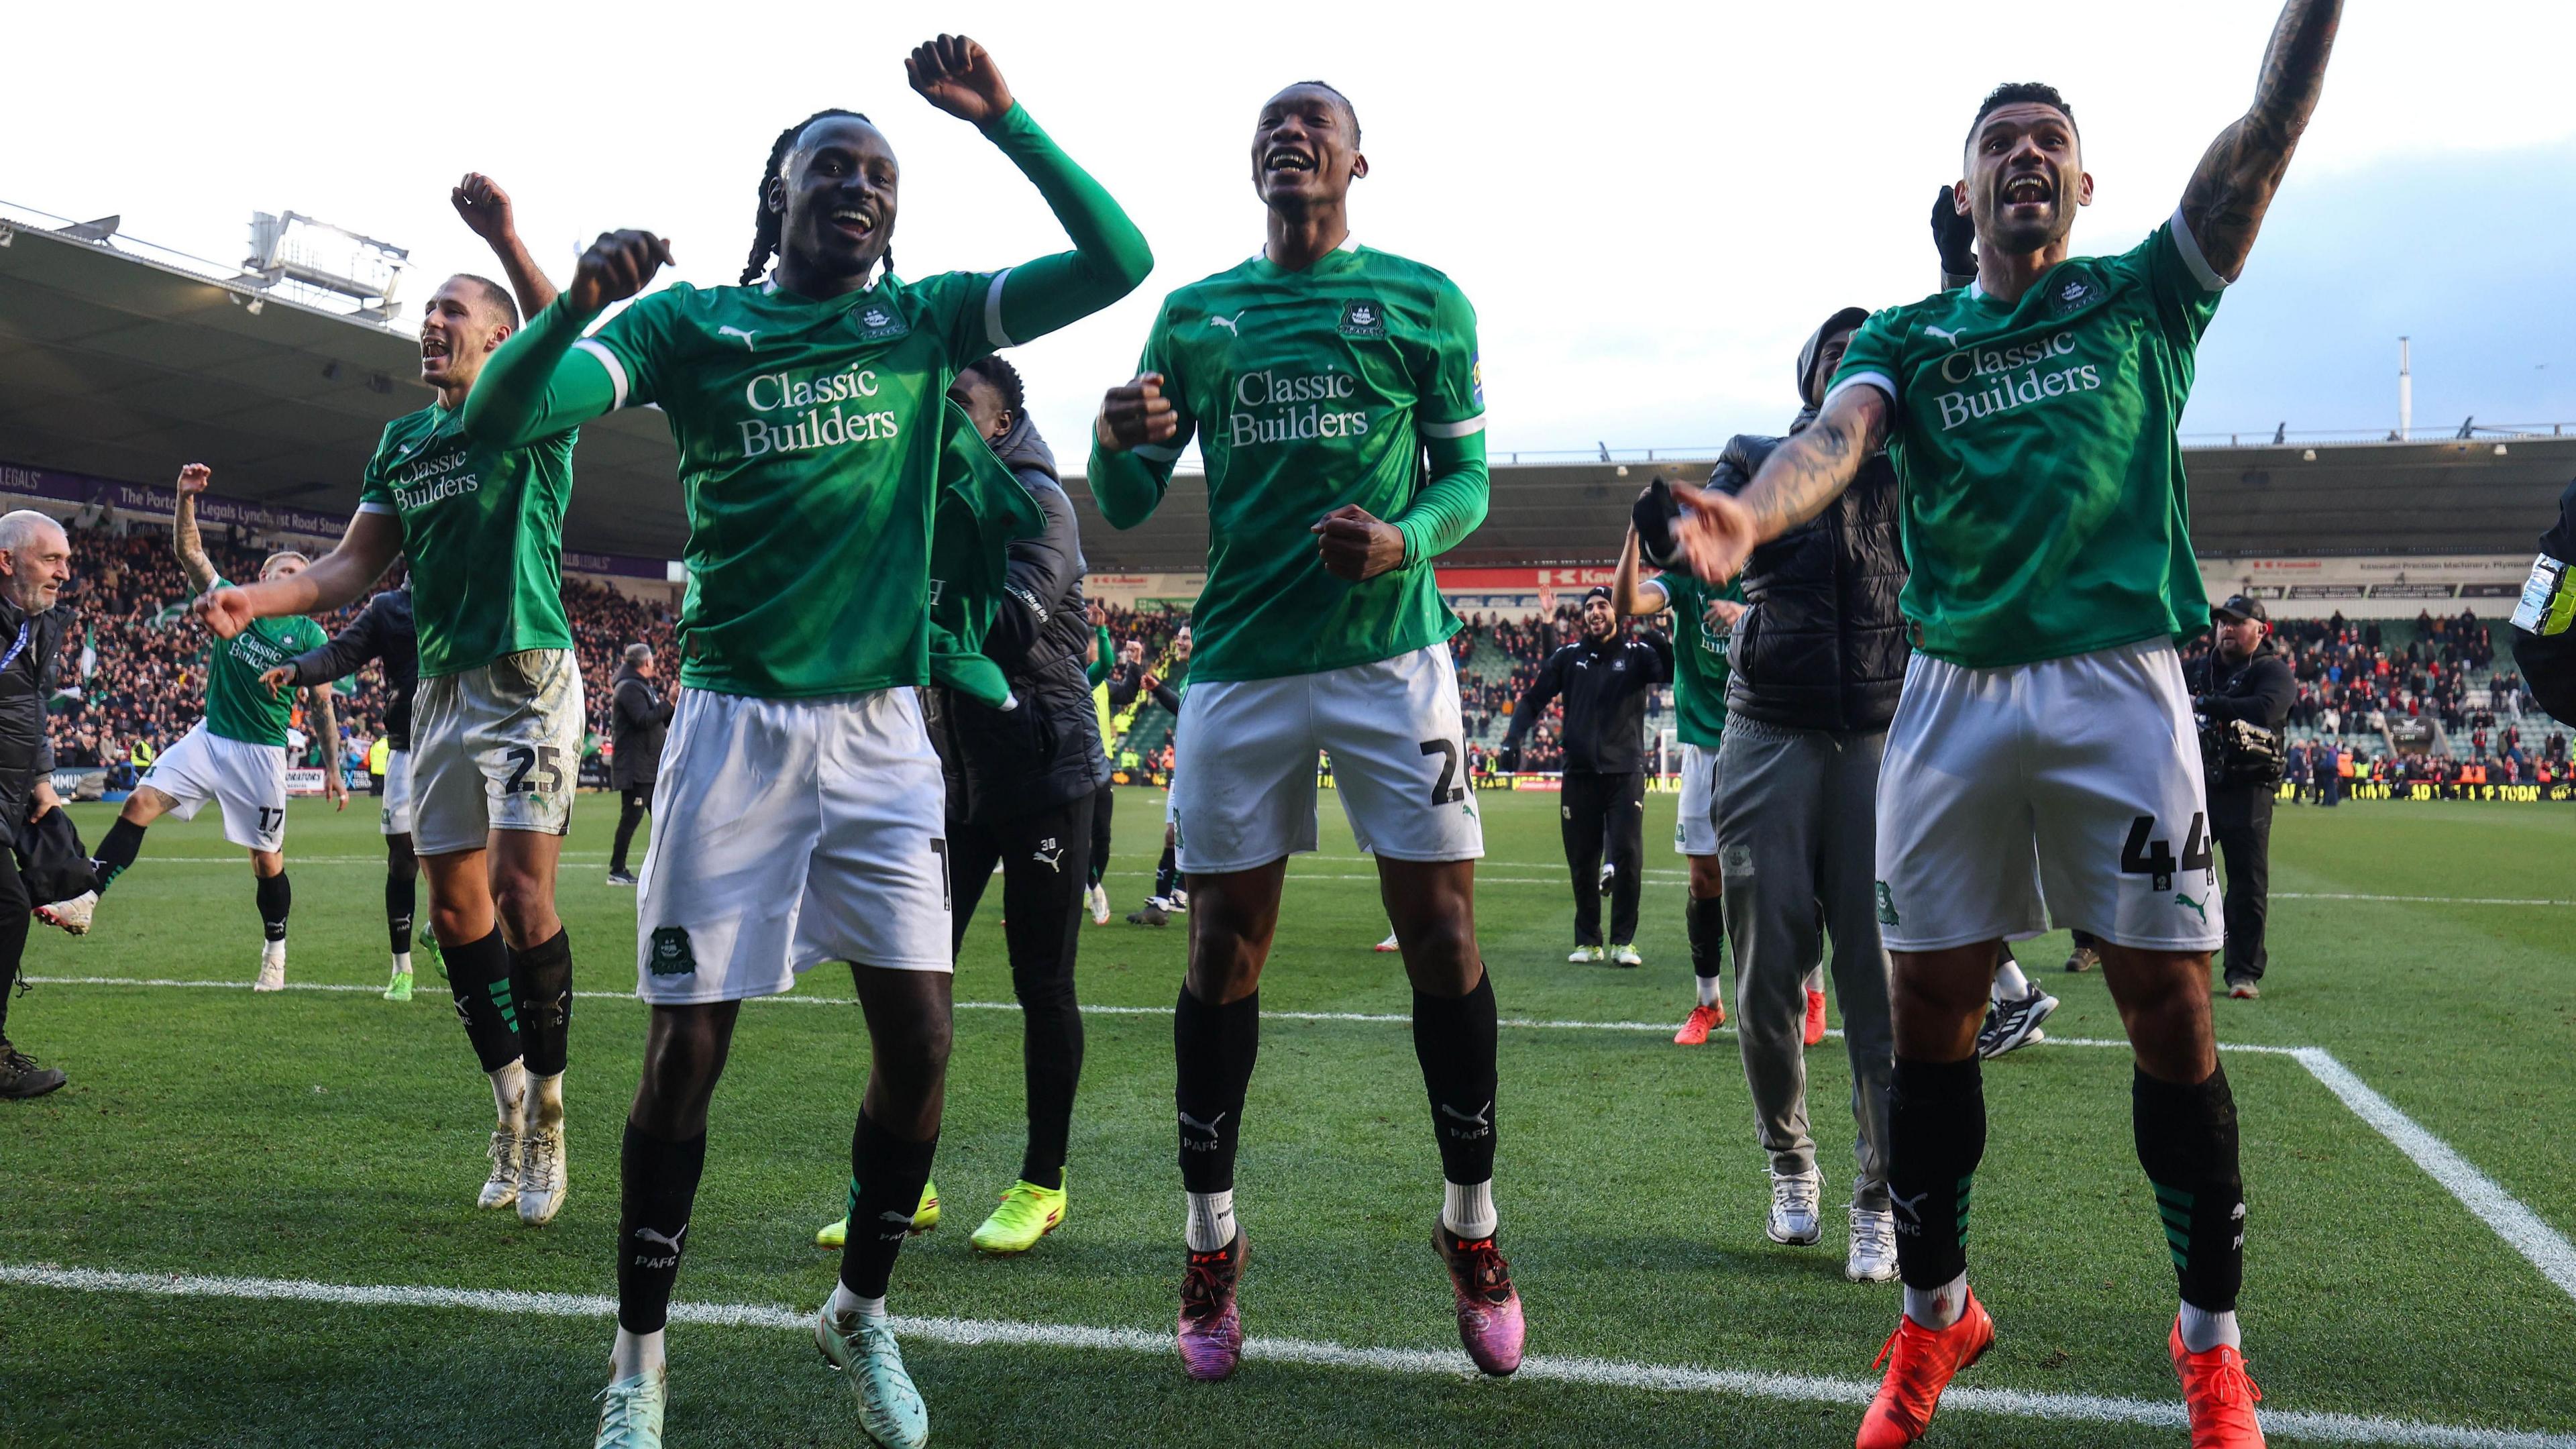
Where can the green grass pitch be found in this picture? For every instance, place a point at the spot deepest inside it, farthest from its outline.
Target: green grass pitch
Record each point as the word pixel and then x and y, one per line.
pixel 333 1138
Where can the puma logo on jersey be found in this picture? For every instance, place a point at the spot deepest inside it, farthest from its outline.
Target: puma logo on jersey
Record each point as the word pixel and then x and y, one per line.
pixel 1231 324
pixel 1944 333
pixel 2198 908
pixel 736 332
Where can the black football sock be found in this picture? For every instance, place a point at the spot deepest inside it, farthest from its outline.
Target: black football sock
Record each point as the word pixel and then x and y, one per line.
pixel 478 976
pixel 2187 1144
pixel 541 989
pixel 402 891
pixel 887 1174
pixel 1213 1048
pixel 657 1182
pixel 1705 918
pixel 1167 872
pixel 1936 1135
pixel 116 853
pixel 275 898
pixel 1455 1039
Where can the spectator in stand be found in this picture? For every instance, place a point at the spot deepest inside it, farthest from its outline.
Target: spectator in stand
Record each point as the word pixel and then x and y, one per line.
pixel 639 718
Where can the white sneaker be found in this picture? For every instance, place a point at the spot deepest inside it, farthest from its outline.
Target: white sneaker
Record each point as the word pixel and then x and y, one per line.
pixel 272 968
pixel 1793 1209
pixel 1178 902
pixel 72 915
pixel 1099 897
pixel 1626 956
pixel 1586 953
pixel 1389 944
pixel 630 1411
pixel 863 1349
pixel 541 1174
pixel 1873 1247
pixel 501 1188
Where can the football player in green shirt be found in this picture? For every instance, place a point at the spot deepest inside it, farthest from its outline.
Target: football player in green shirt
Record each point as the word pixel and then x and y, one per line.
pixel 497 716
pixel 236 755
pixel 799 813
pixel 1316 376
pixel 2032 421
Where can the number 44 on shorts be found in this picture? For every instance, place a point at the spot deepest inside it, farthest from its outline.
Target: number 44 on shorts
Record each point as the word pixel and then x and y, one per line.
pixel 2144 854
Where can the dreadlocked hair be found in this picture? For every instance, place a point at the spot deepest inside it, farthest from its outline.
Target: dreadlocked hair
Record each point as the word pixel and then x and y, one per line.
pixel 764 236
pixel 1003 379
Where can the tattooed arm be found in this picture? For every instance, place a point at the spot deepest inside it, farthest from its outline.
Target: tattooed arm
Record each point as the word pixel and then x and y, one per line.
pixel 2225 202
pixel 1802 476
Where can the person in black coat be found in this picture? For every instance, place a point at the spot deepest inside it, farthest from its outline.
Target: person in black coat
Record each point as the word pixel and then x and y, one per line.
pixel 35 560
pixel 638 719
pixel 1604 678
pixel 382 631
pixel 2544 623
pixel 2242 678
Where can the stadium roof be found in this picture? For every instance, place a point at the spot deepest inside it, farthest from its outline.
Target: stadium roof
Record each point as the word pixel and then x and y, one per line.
pixel 124 367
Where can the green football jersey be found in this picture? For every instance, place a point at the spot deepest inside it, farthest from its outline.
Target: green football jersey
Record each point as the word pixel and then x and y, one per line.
pixel 810 444
pixel 2046 513
pixel 1308 391
pixel 238 706
pixel 1701 657
pixel 483 527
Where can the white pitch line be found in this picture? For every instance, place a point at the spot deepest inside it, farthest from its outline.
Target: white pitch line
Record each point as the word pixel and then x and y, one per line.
pixel 2417 900
pixel 1441 1363
pixel 2518 1225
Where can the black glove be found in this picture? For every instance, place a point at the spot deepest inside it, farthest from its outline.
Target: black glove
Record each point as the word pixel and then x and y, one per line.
pixel 1508 759
pixel 1955 236
pixel 1653 514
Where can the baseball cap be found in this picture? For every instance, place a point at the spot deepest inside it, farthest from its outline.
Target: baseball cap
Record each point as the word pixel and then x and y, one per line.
pixel 2242 606
pixel 1597 591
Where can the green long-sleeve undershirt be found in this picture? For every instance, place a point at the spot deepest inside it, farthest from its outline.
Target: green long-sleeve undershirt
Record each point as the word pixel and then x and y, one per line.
pixel 526 392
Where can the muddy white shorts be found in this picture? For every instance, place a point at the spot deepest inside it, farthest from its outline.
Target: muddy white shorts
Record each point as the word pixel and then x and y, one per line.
pixel 495 748
pixel 2069 789
pixel 1695 832
pixel 1243 793
pixel 397 792
pixel 786 833
pixel 247 781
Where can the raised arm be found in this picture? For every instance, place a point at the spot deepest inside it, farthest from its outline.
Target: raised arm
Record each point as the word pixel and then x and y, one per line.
pixel 486 209
pixel 1803 475
pixel 2228 195
pixel 183 528
pixel 1109 256
pixel 529 388
pixel 1630 593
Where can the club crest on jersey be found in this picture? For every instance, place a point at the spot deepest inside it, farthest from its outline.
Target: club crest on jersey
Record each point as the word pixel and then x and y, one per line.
pixel 1363 318
pixel 2071 295
pixel 877 322
pixel 672 955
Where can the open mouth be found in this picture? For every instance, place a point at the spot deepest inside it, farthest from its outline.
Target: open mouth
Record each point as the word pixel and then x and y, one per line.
pixel 1287 158
pixel 854 223
pixel 433 349
pixel 2028 190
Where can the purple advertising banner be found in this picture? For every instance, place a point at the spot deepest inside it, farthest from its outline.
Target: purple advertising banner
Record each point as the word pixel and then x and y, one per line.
pixel 218 512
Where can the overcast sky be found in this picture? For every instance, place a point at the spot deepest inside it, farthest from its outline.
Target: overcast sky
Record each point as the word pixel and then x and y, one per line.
pixel 1650 205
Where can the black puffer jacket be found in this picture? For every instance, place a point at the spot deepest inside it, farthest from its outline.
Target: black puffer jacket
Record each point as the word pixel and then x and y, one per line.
pixel 26 756
pixel 1046 750
pixel 1822 645
pixel 2546 655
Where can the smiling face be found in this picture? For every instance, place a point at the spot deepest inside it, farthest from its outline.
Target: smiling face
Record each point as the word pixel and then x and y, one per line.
pixel 2025 178
pixel 836 200
pixel 1599 619
pixel 460 325
pixel 1306 149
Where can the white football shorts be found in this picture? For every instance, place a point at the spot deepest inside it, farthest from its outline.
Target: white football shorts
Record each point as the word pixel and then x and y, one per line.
pixel 495 748
pixel 397 792
pixel 247 781
pixel 1695 832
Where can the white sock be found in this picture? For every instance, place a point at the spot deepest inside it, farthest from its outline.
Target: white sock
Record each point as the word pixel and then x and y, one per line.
pixel 272 950
pixel 510 1093
pixel 2010 984
pixel 1468 1211
pixel 845 1301
pixel 2203 1330
pixel 1937 1307
pixel 634 1353
pixel 545 1097
pixel 1708 991
pixel 1211 1223
pixel 402 963
pixel 1815 979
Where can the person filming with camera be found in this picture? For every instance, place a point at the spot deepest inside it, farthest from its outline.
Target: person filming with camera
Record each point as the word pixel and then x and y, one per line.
pixel 2242 690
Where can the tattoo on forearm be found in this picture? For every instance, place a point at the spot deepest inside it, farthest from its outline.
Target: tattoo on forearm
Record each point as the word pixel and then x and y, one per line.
pixel 1809 471
pixel 2228 195
pixel 191 551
